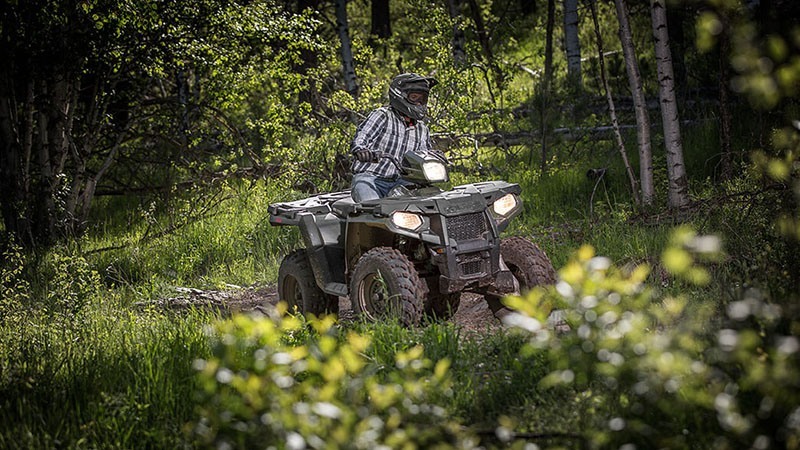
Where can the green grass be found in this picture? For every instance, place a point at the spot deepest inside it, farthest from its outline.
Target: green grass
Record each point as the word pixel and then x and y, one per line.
pixel 108 377
pixel 111 377
pixel 234 244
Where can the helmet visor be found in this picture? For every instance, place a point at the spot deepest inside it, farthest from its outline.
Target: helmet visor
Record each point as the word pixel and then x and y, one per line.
pixel 417 97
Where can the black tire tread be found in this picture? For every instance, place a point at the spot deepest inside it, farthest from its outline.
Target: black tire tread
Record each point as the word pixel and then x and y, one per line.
pixel 534 266
pixel 411 289
pixel 315 300
pixel 441 306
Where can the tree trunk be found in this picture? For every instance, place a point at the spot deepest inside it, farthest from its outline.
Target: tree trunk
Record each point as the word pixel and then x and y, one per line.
pixel 381 23
pixel 572 44
pixel 485 41
pixel 43 183
pixel 346 52
pixel 459 45
pixel 677 43
pixel 548 75
pixel 676 170
pixel 639 102
pixel 725 117
pixel 46 181
pixel 12 158
pixel 309 61
pixel 611 109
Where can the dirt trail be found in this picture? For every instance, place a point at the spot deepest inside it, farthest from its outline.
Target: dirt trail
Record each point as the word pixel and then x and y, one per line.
pixel 473 314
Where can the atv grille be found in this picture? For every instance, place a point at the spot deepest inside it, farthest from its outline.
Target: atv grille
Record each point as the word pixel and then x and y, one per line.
pixel 472 267
pixel 472 263
pixel 468 226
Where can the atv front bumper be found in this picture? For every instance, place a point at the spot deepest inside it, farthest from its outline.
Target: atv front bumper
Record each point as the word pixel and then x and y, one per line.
pixel 474 266
pixel 502 283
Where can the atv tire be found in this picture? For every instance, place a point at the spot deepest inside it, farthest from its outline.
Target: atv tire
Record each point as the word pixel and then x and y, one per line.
pixel 385 285
pixel 531 267
pixel 529 264
pixel 298 288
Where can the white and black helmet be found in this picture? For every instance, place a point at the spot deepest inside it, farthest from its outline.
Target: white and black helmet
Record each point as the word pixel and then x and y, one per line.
pixel 402 86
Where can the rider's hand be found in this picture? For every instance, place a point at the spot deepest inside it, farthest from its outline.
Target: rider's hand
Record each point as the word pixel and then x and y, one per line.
pixel 364 156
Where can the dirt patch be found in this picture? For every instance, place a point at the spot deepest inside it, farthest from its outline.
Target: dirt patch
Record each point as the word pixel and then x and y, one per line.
pixel 473 314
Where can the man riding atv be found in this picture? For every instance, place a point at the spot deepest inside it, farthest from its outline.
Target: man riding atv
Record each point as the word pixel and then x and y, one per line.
pixel 388 133
pixel 396 245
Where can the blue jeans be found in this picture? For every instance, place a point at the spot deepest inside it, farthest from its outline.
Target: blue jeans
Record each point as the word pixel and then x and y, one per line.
pixel 366 186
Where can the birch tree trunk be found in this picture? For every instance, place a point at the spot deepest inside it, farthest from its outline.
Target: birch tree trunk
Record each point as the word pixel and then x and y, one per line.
pixel 676 170
pixel 572 44
pixel 639 103
pixel 611 109
pixel 346 52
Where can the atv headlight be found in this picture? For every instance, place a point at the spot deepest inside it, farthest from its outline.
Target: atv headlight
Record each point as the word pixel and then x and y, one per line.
pixel 434 171
pixel 407 220
pixel 505 204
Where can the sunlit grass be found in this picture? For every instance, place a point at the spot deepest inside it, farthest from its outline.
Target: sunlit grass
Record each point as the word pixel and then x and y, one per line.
pixel 234 244
pixel 106 377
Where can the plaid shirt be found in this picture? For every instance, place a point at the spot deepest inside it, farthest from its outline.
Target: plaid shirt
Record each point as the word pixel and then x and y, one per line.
pixel 386 131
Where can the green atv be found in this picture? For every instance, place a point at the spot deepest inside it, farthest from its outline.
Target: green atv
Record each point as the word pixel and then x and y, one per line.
pixel 410 254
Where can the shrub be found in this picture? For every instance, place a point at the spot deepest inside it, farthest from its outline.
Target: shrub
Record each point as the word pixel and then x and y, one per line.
pixel 667 379
pixel 283 382
pixel 14 288
pixel 71 284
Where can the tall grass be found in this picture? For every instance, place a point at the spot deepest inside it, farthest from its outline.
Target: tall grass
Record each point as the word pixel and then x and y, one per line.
pixel 107 377
pixel 233 244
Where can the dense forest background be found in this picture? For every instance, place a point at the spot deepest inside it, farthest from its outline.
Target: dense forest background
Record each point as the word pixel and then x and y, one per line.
pixel 141 142
pixel 150 100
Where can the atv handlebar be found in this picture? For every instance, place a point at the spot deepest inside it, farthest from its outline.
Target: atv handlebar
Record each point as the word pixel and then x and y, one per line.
pixel 376 157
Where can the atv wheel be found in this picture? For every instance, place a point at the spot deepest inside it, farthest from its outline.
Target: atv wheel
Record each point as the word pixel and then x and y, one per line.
pixel 297 287
pixel 531 267
pixel 441 306
pixel 529 264
pixel 385 284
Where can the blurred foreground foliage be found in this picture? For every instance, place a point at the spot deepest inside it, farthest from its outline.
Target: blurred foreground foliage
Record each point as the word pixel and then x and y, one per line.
pixel 280 379
pixel 673 373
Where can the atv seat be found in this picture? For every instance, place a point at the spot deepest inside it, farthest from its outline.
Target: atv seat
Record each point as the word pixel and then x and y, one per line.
pixel 344 207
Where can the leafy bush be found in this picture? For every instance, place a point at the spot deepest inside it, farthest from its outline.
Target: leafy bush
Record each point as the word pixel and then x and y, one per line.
pixel 667 379
pixel 65 281
pixel 14 288
pixel 71 285
pixel 285 382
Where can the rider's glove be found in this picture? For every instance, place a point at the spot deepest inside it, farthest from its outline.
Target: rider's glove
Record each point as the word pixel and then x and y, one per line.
pixel 364 156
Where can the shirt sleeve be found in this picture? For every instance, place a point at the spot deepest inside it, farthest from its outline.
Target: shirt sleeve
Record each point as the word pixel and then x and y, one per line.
pixel 427 144
pixel 369 131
